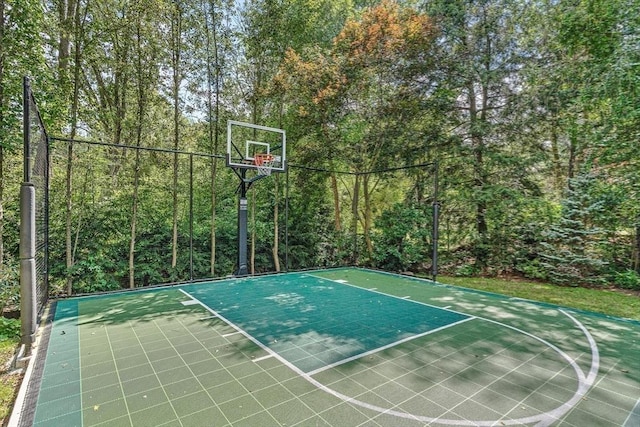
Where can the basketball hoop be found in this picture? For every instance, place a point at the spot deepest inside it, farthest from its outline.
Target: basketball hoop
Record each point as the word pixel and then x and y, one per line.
pixel 263 163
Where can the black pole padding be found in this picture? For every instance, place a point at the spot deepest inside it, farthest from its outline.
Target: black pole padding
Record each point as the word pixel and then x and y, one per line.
pixel 286 221
pixel 26 127
pixel 28 304
pixel 242 227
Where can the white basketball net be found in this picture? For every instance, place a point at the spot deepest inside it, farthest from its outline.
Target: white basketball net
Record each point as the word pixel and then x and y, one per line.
pixel 264 163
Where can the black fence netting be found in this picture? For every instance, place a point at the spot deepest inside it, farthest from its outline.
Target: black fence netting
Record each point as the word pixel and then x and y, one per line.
pixel 36 172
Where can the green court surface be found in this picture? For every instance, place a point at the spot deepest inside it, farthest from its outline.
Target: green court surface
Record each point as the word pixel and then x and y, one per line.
pixel 343 347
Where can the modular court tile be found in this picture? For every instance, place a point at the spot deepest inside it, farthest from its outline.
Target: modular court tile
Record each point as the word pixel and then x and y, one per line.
pixel 345 347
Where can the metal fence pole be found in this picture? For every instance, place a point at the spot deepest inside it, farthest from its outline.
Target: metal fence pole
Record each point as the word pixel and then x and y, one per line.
pixel 26 128
pixel 286 221
pixel 28 309
pixel 436 214
pixel 191 217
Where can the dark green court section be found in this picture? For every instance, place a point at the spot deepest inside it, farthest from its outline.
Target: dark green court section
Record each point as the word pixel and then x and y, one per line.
pixel 60 391
pixel 154 358
pixel 313 322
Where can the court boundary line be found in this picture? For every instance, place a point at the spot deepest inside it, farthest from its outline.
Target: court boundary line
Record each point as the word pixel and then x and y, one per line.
pixel 478 291
pixel 246 334
pixel 29 391
pixel 375 291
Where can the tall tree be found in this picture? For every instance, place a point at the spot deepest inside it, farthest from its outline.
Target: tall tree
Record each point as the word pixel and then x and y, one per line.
pixel 352 92
pixel 20 24
pixel 483 55
pixel 271 27
pixel 176 47
pixel 214 65
pixel 145 51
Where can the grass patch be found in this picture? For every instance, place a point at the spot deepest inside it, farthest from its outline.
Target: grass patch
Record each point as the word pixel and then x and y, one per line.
pixel 603 301
pixel 9 381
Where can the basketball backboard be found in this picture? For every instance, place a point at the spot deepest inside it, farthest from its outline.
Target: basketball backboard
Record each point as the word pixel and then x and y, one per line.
pixel 248 145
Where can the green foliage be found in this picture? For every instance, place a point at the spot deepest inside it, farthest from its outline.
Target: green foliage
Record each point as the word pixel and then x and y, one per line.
pixel 573 256
pixel 629 279
pixel 402 241
pixel 512 98
pixel 9 285
pixel 533 269
pixel 9 329
pixel 466 270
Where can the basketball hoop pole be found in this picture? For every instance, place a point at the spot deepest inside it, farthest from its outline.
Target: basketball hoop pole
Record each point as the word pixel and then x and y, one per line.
pixel 242 225
pixel 261 150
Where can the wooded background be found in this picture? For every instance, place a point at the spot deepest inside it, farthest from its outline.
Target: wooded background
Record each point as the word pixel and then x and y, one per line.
pixel 532 109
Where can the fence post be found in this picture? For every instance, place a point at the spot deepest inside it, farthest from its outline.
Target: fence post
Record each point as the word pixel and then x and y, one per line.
pixel 28 310
pixel 436 217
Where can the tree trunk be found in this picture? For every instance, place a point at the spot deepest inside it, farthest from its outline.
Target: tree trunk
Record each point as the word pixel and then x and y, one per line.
pixel 555 152
pixel 68 213
pixel 337 223
pixel 636 255
pixel 213 127
pixel 67 10
pixel 255 114
pixel 2 102
pixel 70 247
pixel 176 47
pixel 355 219
pixel 174 239
pixel 136 168
pixel 368 215
pixel 573 150
pixel 476 116
pixel 134 214
pixel 1 203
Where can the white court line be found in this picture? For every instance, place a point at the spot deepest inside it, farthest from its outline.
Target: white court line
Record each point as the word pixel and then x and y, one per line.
pixel 633 419
pixel 375 291
pixel 260 359
pixel 248 336
pixel 230 333
pixel 393 344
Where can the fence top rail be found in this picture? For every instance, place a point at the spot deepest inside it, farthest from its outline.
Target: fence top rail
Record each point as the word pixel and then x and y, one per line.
pixel 220 156
pixel 133 147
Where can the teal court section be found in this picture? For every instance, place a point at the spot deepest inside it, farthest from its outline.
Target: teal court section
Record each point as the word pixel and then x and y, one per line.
pixel 314 322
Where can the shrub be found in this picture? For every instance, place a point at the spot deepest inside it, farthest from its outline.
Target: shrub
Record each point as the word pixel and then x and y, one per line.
pixel 9 286
pixel 627 280
pixel 532 270
pixel 466 270
pixel 9 328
